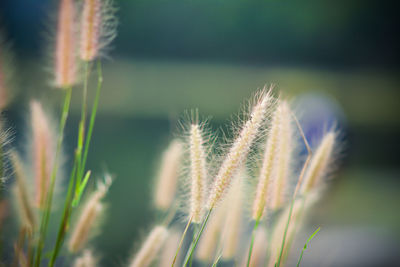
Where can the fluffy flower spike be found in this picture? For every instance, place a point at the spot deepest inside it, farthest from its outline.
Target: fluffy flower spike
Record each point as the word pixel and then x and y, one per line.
pixel 198 173
pixel 65 54
pixel 98 25
pixel 239 150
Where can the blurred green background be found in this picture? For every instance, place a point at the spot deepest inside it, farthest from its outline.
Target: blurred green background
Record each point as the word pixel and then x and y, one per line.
pixel 174 55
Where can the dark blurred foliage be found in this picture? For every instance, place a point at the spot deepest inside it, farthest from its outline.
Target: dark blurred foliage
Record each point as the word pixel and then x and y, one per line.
pixel 327 33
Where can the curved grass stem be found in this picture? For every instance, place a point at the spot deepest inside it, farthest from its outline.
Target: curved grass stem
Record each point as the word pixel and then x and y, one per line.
pixel 253 233
pixel 181 241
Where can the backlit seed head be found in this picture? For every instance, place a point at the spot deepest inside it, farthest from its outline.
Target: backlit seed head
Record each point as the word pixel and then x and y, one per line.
pixel 65 54
pixel 239 149
pixel 198 173
pixel 98 27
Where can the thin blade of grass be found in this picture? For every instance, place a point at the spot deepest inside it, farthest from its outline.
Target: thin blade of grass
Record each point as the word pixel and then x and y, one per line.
pixel 81 189
pixel 181 241
pixel 193 246
pixel 253 233
pixel 305 245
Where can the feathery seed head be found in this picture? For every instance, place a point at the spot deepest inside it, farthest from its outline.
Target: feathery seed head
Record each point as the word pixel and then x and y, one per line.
pixel 87 219
pixel 198 173
pixel 86 259
pixel 90 33
pixel 43 144
pixel 239 149
pixel 168 175
pixel 320 163
pixel 265 177
pixel 98 25
pixel 65 55
pixel 150 247
pixel 282 164
pixel 25 208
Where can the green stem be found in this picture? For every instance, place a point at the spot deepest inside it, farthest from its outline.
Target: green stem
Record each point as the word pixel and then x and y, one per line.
pixel 46 215
pixel 78 169
pixel 285 233
pixel 305 245
pixel 181 241
pixel 253 234
pixel 64 220
pixel 82 123
pixel 196 240
pixel 92 117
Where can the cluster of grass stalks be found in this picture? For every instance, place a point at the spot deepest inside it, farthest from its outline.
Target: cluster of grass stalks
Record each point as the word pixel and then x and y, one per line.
pixel 239 203
pixel 83 31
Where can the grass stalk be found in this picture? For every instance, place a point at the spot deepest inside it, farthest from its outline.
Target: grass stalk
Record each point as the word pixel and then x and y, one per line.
pixel 82 124
pixel 73 197
pixel 305 245
pixel 181 241
pixel 64 220
pixel 92 116
pixel 46 213
pixel 193 245
pixel 253 234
